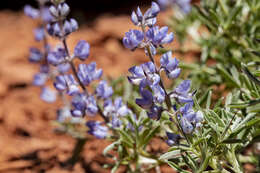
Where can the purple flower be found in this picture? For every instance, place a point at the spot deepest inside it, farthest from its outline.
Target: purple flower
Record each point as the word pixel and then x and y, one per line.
pixel 199 117
pixel 172 138
pixel 35 55
pixel 82 50
pixel 159 94
pixel 69 26
pixel 44 68
pixel 181 92
pixel 170 65
pixel 188 112
pixel 84 105
pixel 133 39
pixel 103 90
pixel 48 95
pixel 186 125
pixel 57 57
pixel 190 119
pixel 184 5
pixel 39 34
pixel 159 36
pixel 31 12
pixel 40 79
pixel 116 122
pixel 115 109
pixel 146 101
pixel 148 19
pixel 89 73
pixel 46 15
pixel 152 12
pixel 144 75
pixel 155 112
pixel 64 115
pixel 74 25
pixel 61 11
pixel 68 83
pixel 64 67
pixel 54 29
pixel 97 130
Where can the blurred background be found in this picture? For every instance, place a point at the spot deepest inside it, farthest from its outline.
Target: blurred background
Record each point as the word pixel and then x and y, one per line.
pixel 27 134
pixel 85 8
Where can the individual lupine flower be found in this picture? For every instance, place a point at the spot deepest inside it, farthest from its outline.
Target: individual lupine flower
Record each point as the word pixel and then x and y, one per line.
pixel 54 29
pixel 199 117
pixel 57 57
pixel 145 74
pixel 46 15
pixel 189 117
pixel 188 112
pixel 116 122
pixel 69 26
pixel 74 25
pixel 184 5
pixel 66 83
pixel 186 125
pixel 61 11
pixel 103 90
pixel 44 68
pixel 40 79
pixel 115 109
pixel 96 129
pixel 82 50
pixel 181 92
pixel 159 94
pixel 155 112
pixel 146 101
pixel 39 34
pixel 170 65
pixel 64 115
pixel 89 73
pixel 159 36
pixel 64 67
pixel 84 105
pixel 133 38
pixel 35 55
pixel 48 95
pixel 172 138
pixel 31 12
pixel 149 18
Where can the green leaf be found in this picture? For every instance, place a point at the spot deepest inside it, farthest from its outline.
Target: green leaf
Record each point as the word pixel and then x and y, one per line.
pixel 148 137
pixel 110 147
pixel 232 141
pixel 126 138
pixel 170 155
pixel 254 108
pixel 209 100
pixel 227 76
pixel 176 167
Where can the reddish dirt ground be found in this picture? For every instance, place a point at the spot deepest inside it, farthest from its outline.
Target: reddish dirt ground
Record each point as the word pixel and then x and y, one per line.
pixel 27 139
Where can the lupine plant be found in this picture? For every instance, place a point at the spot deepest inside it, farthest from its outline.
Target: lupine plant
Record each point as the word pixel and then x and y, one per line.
pixel 227 33
pixel 203 136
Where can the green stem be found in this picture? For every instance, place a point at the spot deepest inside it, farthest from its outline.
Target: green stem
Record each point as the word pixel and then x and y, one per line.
pixel 223 7
pixel 77 151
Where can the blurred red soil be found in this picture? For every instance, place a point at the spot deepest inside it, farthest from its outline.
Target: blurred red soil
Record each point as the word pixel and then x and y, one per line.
pixel 27 140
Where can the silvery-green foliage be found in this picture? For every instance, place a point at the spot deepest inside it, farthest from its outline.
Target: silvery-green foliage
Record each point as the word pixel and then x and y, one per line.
pixel 226 31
